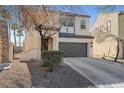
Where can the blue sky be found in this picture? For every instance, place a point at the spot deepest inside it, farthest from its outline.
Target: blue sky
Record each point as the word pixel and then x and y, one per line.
pixel 93 11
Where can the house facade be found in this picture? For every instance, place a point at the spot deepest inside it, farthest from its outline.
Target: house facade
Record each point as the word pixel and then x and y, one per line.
pixel 112 24
pixel 74 39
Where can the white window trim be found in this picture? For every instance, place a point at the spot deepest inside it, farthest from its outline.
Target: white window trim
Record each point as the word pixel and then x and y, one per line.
pixel 109 26
pixel 67 27
pixel 84 24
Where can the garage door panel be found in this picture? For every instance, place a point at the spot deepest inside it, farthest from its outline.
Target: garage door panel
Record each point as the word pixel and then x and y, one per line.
pixel 73 49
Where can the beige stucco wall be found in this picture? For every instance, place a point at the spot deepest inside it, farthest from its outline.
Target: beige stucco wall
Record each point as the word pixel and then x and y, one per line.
pixel 55 41
pixel 121 32
pixel 32 46
pixel 10 51
pixel 108 47
pixel 121 26
pixel 32 40
pixel 32 54
pixel 102 20
pixel 78 30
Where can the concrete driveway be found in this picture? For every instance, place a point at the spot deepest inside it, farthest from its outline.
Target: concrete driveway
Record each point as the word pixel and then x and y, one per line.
pixel 100 72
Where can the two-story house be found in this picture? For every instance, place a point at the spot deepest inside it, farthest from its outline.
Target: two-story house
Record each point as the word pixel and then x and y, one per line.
pixel 73 39
pixel 112 24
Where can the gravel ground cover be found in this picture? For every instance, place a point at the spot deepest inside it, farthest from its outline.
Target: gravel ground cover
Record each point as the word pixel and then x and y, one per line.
pixel 30 74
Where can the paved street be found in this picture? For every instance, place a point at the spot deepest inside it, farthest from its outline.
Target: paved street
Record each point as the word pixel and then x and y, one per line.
pixel 100 72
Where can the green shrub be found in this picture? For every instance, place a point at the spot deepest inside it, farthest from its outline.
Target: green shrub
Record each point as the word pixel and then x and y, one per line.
pixel 51 59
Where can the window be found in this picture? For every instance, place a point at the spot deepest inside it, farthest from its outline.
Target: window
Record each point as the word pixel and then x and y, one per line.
pixel 83 24
pixel 64 23
pixel 101 28
pixel 68 25
pixel 109 26
pixel 69 22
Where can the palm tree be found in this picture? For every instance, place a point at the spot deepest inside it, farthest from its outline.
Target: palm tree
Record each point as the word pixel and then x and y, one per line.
pixel 19 34
pixel 14 27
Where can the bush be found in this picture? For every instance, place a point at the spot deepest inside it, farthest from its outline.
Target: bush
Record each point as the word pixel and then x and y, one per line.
pixel 51 59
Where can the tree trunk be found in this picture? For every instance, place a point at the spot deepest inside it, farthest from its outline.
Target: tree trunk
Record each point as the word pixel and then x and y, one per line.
pixel 15 37
pixel 20 40
pixel 117 53
pixel 41 43
pixel 45 44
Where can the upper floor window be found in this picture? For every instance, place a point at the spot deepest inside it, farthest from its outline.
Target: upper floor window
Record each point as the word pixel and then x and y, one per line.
pixel 67 25
pixel 64 23
pixel 83 24
pixel 109 25
pixel 70 23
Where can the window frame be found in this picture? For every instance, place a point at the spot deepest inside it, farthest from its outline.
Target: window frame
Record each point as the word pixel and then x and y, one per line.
pixel 101 28
pixel 72 24
pixel 108 25
pixel 67 26
pixel 81 25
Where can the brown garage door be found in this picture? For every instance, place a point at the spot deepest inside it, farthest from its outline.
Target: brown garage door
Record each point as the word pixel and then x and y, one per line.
pixel 73 49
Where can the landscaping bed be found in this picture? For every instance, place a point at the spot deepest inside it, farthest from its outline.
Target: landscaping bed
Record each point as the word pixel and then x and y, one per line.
pixel 30 74
pixel 17 76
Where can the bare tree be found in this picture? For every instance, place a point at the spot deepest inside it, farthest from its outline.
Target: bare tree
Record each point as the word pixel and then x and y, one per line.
pixel 37 17
pixel 33 18
pixel 44 19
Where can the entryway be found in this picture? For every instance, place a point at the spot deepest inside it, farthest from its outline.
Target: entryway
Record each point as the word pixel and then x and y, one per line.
pixel 47 44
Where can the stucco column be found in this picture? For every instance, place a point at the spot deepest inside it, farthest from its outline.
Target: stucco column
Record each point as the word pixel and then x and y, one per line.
pixel 90 49
pixel 55 42
pixel 120 49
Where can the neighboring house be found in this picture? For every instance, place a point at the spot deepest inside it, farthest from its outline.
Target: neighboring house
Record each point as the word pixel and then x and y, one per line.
pixel 73 39
pixel 112 23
